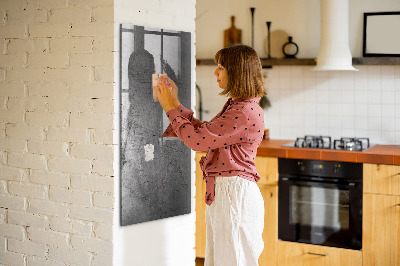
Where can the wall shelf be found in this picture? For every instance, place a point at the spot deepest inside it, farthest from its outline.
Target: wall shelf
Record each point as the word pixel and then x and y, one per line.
pixel 376 61
pixel 312 61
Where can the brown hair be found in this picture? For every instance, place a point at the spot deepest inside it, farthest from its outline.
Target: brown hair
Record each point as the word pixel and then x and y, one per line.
pixel 245 78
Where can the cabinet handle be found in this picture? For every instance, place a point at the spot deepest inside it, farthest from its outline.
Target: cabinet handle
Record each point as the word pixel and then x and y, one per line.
pixel 398 204
pixel 318 254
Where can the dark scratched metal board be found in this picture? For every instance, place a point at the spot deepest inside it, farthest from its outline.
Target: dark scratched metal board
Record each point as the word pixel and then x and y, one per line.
pixel 155 172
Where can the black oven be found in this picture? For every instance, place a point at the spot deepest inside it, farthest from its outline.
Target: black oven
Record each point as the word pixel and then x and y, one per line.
pixel 320 202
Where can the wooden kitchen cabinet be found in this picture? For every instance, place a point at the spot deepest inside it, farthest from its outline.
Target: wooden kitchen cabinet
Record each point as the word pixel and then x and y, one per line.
pixel 270 233
pixel 298 254
pixel 381 215
pixel 381 230
pixel 200 209
pixel 267 167
pixel 381 179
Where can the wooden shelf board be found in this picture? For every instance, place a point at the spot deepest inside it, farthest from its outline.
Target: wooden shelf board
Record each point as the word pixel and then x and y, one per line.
pixel 376 61
pixel 312 61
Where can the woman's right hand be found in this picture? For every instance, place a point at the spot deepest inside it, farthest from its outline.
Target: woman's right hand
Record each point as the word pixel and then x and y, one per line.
pixel 174 90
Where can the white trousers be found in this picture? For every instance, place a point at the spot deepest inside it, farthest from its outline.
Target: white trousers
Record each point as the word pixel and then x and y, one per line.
pixel 234 223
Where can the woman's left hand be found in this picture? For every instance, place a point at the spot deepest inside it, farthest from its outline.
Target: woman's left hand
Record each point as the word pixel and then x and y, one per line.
pixel 164 95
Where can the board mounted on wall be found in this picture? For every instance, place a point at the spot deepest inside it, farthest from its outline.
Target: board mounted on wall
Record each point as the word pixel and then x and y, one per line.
pixel 155 172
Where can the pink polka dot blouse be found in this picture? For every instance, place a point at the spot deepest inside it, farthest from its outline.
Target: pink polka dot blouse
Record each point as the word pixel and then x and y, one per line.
pixel 231 139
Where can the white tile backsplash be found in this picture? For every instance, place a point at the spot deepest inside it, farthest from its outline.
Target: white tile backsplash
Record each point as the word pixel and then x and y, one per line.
pixel 348 95
pixel 374 110
pixel 361 123
pixel 374 83
pixel 389 135
pixel 374 123
pixel 397 72
pixel 374 97
pixel 364 103
pixel 397 95
pixel 310 109
pixel 388 97
pixel 335 95
pixel 347 123
pixel 322 95
pixel 284 83
pixel 361 110
pixel 387 124
pixel 322 121
pixel 387 110
pixel 347 110
pixel 387 71
pixel 388 83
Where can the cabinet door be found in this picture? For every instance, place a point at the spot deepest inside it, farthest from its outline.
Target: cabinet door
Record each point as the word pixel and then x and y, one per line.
pixel 381 230
pixel 297 254
pixel 270 233
pixel 381 179
pixel 200 209
pixel 267 168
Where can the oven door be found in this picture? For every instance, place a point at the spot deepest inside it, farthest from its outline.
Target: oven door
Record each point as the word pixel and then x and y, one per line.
pixel 321 212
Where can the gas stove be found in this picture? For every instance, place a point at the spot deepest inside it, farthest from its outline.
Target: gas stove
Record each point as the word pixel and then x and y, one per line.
pixel 325 142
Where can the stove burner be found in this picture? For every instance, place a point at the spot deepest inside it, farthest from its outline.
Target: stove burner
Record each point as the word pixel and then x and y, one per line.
pixel 308 141
pixel 351 144
pixel 324 142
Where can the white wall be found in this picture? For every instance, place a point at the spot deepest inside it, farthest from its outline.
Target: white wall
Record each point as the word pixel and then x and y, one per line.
pixel 299 18
pixel 337 104
pixel 168 241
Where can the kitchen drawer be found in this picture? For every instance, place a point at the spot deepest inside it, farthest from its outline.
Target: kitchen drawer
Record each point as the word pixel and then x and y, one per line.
pixel 381 179
pixel 267 168
pixel 298 254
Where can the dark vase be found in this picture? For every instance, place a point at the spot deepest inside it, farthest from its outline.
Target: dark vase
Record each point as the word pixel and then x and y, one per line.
pixel 290 49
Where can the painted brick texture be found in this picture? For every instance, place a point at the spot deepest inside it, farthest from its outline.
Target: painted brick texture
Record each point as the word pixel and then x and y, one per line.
pixel 56 128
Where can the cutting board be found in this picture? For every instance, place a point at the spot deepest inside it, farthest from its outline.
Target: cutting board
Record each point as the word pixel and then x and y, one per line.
pixel 232 35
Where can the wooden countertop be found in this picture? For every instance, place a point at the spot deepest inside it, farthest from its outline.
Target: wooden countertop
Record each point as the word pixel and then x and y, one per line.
pixel 379 154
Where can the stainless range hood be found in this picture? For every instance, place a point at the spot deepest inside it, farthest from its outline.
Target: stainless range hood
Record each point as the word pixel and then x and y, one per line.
pixel 334 51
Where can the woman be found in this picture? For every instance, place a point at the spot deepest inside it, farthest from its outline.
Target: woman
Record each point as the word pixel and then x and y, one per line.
pixel 235 207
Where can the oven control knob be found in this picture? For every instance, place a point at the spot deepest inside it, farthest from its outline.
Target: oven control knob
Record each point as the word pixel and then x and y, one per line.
pixel 302 167
pixel 336 169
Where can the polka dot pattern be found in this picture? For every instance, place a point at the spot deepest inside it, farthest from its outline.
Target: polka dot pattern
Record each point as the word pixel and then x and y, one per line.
pixel 231 139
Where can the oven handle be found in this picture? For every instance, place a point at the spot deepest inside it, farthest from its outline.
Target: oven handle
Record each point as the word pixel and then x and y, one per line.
pixel 297 181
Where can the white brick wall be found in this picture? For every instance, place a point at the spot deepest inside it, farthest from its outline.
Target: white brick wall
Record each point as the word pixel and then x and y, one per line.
pixel 56 122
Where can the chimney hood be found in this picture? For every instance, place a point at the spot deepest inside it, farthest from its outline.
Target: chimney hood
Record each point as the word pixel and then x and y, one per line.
pixel 334 51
